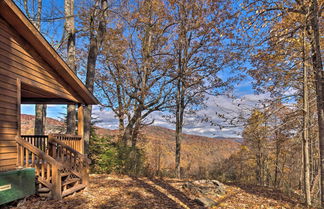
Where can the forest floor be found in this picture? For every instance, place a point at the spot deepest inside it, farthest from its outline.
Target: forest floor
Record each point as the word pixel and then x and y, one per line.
pixel 110 191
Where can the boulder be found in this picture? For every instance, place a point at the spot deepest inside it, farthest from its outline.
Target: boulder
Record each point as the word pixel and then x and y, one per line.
pixel 205 187
pixel 205 202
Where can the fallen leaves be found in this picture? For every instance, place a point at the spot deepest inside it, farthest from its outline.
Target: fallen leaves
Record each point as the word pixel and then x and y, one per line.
pixel 110 191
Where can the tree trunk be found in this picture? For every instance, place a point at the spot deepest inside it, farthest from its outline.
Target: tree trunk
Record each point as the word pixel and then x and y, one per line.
pixel 40 109
pixel 301 174
pixel 132 129
pixel 121 109
pixel 121 125
pixel 131 126
pixel 277 161
pixel 178 151
pixel 305 130
pixel 91 67
pixel 318 68
pixel 38 16
pixel 40 119
pixel 179 123
pixel 136 132
pixel 96 39
pixel 70 31
pixel 259 165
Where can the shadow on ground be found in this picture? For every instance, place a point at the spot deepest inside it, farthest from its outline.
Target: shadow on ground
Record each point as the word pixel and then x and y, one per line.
pixel 268 192
pixel 157 194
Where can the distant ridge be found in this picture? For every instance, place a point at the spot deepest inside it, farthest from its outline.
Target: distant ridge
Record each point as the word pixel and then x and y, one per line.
pixel 199 153
pixel 235 139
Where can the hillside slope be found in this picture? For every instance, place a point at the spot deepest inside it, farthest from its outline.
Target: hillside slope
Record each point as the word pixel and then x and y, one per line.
pixel 199 154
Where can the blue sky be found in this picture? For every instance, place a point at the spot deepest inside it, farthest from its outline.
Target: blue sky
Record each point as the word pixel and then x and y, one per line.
pixel 221 104
pixel 241 105
pixel 53 111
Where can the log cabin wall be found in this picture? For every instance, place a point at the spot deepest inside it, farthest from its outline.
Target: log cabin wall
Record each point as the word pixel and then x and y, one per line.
pixel 19 60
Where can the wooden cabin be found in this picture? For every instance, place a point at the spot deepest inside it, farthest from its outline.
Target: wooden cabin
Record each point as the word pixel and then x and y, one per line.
pixel 31 72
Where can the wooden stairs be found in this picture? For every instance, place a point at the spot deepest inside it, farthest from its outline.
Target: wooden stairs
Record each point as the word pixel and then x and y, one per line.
pixel 60 168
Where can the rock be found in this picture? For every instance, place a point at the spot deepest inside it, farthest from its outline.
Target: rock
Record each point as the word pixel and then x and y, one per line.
pixel 192 188
pixel 207 187
pixel 205 201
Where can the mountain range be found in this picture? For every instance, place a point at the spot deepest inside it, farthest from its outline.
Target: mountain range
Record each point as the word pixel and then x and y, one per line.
pixel 199 153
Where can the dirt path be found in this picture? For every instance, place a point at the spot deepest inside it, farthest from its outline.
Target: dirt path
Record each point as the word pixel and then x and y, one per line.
pixel 107 191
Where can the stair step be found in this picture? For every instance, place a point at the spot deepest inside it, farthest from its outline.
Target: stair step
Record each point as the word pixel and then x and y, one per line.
pixel 73 189
pixel 70 181
pixel 43 182
pixel 49 194
pixel 43 189
pixel 65 174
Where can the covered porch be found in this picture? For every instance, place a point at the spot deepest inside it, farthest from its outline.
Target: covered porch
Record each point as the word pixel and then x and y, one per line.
pixel 61 167
pixel 32 95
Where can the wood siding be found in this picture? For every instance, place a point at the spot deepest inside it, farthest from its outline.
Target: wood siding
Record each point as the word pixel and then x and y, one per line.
pixel 8 123
pixel 19 60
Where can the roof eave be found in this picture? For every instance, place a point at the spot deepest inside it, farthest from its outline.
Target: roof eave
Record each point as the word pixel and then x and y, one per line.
pixel 15 17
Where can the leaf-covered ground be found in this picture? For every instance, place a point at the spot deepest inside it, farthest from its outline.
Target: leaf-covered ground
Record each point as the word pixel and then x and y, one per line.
pixel 109 191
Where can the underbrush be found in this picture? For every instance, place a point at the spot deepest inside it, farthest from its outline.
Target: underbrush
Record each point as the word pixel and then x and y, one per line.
pixel 108 156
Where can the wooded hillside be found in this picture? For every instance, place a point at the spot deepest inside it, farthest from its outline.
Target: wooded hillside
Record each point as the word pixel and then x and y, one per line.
pixel 200 154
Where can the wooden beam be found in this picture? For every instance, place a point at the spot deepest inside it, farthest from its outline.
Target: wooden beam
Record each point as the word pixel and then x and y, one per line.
pixel 18 107
pixel 18 118
pixel 45 101
pixel 81 126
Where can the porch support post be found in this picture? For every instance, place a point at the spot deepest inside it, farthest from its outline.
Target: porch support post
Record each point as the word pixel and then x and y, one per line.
pixel 81 126
pixel 85 169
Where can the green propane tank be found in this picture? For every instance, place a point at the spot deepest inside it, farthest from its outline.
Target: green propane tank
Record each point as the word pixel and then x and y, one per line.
pixel 16 184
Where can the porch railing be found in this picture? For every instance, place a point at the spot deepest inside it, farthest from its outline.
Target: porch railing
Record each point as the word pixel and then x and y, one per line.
pixel 39 141
pixel 72 141
pixel 58 163
pixel 77 162
pixel 47 168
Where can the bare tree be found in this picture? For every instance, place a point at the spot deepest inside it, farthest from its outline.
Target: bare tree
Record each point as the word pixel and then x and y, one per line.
pixel 40 109
pixel 196 51
pixel 71 60
pixel 97 31
pixel 135 80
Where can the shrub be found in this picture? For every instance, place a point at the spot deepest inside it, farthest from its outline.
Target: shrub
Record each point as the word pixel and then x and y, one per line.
pixel 108 156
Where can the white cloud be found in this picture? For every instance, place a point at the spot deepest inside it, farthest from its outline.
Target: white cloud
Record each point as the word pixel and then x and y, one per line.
pixel 104 118
pixel 229 107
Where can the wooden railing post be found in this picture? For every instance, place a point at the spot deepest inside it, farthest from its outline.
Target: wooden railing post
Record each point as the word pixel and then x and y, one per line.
pixel 85 172
pixel 56 184
pixel 81 127
pixel 19 160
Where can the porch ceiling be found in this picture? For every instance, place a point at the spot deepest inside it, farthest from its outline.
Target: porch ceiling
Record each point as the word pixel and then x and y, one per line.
pixel 33 95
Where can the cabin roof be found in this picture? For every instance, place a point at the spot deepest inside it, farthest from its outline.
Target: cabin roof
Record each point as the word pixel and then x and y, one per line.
pixel 16 18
